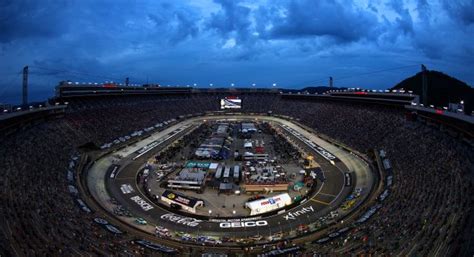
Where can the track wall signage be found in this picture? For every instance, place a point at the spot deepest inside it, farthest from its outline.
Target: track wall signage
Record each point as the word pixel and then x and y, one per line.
pixel 243 224
pixel 318 149
pixel 144 204
pixel 190 222
pixel 295 214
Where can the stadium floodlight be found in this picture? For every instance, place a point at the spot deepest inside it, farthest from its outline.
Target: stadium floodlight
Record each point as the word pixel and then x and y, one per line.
pixel 18 109
pixel 210 212
pixel 462 102
pixel 274 84
pixel 233 212
pixel 211 84
pixel 231 84
pixel 194 84
pixel 5 110
pixel 253 84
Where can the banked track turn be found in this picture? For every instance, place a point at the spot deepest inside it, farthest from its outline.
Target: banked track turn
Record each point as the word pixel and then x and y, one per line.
pixel 102 187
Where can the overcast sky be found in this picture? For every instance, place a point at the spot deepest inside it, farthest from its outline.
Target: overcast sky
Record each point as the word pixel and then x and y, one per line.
pixel 291 43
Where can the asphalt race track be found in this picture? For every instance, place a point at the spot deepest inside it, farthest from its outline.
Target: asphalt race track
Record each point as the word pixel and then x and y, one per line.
pixel 102 185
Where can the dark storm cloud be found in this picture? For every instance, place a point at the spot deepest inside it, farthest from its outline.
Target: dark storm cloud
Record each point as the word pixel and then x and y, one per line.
pixel 232 18
pixel 404 20
pixel 341 21
pixel 462 10
pixel 31 19
pixel 178 24
pixel 225 41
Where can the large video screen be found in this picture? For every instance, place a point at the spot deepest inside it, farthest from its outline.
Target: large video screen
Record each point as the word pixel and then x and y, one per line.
pixel 231 103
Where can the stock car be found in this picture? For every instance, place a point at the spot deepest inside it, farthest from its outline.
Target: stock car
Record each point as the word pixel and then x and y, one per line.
pixel 276 236
pixel 208 240
pixel 141 221
pixel 256 237
pixel 302 229
pixel 161 231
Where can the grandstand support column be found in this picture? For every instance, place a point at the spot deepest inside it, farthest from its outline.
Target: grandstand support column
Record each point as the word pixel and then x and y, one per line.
pixel 25 85
pixel 127 81
pixel 330 82
pixel 424 88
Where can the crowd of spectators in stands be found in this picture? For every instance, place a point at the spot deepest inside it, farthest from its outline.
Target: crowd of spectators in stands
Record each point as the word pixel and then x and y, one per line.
pixel 425 214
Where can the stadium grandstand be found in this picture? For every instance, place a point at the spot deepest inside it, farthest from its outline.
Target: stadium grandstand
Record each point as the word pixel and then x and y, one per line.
pixel 426 210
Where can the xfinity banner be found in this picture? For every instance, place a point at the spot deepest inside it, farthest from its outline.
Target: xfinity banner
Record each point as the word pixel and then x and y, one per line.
pixel 293 215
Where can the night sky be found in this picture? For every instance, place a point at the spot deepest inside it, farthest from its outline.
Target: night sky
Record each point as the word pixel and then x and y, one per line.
pixel 365 43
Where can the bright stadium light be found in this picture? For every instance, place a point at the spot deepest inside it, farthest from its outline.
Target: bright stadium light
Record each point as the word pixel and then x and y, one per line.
pixel 231 84
pixel 462 102
pixel 274 84
pixel 253 84
pixel 194 84
pixel 211 84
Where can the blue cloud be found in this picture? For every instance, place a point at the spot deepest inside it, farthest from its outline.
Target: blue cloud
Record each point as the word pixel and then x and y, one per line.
pixel 292 43
pixel 341 21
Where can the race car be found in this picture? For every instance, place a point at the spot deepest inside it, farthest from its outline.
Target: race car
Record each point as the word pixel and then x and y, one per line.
pixel 161 231
pixel 141 221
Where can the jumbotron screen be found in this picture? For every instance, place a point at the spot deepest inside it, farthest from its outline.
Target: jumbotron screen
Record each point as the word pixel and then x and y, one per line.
pixel 231 102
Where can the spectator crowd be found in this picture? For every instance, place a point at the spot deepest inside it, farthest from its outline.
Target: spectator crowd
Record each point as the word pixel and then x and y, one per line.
pixel 425 214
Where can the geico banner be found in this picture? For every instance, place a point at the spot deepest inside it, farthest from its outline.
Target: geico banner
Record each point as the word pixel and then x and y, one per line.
pixel 244 224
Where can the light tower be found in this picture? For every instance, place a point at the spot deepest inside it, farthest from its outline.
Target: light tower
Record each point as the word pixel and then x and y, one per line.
pixel 424 88
pixel 25 85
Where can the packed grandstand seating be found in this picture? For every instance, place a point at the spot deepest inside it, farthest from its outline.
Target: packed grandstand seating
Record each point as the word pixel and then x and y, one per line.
pixel 425 213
